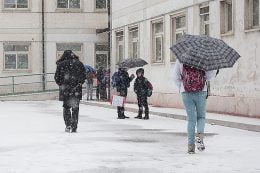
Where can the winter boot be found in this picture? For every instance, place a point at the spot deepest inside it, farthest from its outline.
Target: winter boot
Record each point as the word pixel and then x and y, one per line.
pixel 139 116
pixel 199 142
pixel 74 130
pixel 191 148
pixel 146 117
pixel 68 129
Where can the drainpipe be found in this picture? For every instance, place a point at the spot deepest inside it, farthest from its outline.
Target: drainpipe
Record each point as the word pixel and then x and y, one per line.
pixel 43 48
pixel 109 41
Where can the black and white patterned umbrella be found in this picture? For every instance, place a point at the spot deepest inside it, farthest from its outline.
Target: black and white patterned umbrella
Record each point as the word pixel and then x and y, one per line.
pixel 204 52
pixel 132 63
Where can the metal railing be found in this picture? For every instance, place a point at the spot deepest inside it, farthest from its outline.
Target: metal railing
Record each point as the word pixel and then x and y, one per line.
pixel 33 83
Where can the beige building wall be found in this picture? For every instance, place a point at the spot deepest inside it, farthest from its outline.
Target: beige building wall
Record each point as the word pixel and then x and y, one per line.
pixel 61 26
pixel 235 90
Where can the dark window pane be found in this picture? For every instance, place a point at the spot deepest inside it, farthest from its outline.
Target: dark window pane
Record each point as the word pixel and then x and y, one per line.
pixel 255 12
pixel 180 22
pixel 21 48
pixel 74 3
pixel 229 10
pixel 62 4
pixel 22 61
pixel 9 47
pixel 10 61
pixel 158 48
pixel 158 27
pixel 204 10
pixel 101 60
pixel 22 3
pixel 101 4
pixel 207 29
pixel 9 4
pixel 73 47
pixel 102 47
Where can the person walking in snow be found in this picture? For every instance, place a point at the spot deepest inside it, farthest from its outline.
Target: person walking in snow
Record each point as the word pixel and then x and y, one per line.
pixel 70 75
pixel 122 84
pixel 141 87
pixel 192 85
pixel 90 81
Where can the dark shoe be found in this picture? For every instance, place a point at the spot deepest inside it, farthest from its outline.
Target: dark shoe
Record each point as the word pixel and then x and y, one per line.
pixel 191 148
pixel 199 142
pixel 68 129
pixel 121 117
pixel 146 117
pixel 126 116
pixel 139 117
pixel 74 130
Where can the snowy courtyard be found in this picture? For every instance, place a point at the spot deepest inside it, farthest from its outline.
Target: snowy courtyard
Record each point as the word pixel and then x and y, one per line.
pixel 33 140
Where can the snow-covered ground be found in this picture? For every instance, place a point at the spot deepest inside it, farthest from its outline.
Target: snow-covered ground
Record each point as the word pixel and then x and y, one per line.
pixel 33 140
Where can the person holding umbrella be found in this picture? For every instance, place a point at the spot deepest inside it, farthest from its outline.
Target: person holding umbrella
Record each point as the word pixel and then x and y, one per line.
pixel 122 84
pixel 197 59
pixel 123 79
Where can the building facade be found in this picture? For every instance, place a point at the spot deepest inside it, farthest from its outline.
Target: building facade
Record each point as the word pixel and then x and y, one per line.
pixel 147 29
pixel 34 34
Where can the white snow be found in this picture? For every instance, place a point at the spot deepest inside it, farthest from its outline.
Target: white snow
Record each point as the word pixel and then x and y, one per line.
pixel 33 140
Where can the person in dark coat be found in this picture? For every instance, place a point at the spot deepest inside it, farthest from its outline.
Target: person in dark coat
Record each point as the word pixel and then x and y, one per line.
pixel 123 84
pixel 141 90
pixel 70 75
pixel 101 84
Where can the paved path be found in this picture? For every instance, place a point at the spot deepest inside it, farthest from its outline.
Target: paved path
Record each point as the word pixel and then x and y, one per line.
pixel 33 140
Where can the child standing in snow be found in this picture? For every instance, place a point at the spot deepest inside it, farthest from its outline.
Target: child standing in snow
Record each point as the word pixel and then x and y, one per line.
pixel 141 87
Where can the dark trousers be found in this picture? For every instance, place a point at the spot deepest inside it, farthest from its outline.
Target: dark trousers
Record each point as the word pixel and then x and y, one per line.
pixel 71 112
pixel 98 91
pixel 121 110
pixel 142 102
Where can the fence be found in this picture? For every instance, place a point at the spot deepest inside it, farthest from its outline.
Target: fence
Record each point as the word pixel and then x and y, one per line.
pixel 33 83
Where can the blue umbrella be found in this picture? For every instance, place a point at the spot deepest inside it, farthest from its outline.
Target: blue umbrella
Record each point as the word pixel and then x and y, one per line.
pixel 89 69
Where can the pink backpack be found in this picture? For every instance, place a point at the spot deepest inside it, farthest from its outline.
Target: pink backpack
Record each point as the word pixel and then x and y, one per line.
pixel 193 79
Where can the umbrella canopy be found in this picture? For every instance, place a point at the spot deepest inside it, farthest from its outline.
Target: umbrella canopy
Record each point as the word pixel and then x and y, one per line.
pixel 132 63
pixel 89 69
pixel 205 52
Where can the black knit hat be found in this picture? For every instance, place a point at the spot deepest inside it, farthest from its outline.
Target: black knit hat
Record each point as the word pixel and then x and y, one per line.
pixel 140 70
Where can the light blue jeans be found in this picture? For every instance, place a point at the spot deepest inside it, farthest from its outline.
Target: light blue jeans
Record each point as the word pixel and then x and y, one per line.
pixel 195 104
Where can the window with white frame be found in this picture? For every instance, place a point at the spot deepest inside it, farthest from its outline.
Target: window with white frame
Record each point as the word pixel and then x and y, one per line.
pixel 101 4
pixel 252 19
pixel 74 47
pixel 178 30
pixel 68 4
pixel 157 41
pixel 16 4
pixel 133 46
pixel 226 14
pixel 204 20
pixel 119 46
pixel 16 56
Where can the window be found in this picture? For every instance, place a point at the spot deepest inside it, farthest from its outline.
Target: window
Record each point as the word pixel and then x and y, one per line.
pixel 226 16
pixel 157 41
pixel 16 4
pixel 178 31
pixel 75 47
pixel 16 56
pixel 252 19
pixel 119 46
pixel 102 55
pixel 68 4
pixel 204 20
pixel 133 46
pixel 101 4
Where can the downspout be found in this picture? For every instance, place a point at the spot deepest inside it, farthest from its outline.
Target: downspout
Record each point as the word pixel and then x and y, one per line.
pixel 43 47
pixel 109 42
